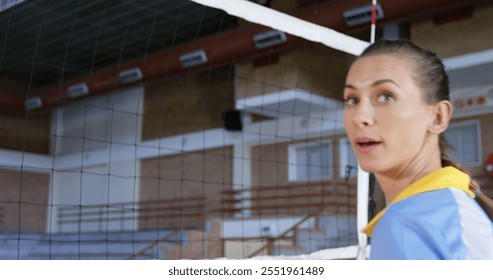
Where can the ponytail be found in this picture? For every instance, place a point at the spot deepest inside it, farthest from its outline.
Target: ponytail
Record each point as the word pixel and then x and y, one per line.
pixel 484 201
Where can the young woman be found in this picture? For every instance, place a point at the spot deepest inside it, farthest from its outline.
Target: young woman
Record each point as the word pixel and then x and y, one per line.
pixel 397 108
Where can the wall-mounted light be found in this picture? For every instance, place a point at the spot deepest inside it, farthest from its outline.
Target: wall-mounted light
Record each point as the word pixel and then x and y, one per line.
pixel 78 90
pixel 193 59
pixel 130 76
pixel 33 103
pixel 269 38
pixel 362 15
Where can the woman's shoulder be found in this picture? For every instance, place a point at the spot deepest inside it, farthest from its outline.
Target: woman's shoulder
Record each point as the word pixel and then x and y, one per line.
pixel 440 207
pixel 433 208
pixel 448 221
pixel 438 201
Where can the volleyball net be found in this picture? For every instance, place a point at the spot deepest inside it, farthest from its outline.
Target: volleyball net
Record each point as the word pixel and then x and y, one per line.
pixel 314 33
pixel 223 140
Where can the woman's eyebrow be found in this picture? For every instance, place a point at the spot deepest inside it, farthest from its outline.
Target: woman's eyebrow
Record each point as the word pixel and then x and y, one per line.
pixel 374 84
pixel 383 81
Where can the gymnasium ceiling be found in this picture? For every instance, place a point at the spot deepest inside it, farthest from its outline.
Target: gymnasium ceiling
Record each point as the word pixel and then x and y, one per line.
pixel 44 41
pixel 45 44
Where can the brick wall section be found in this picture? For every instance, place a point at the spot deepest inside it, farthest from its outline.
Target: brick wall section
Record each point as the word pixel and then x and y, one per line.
pixel 205 173
pixel 456 38
pixel 28 132
pixel 313 68
pixel 192 101
pixel 24 200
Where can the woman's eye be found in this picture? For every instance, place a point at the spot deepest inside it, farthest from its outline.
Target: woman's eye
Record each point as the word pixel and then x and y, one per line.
pixel 351 101
pixel 385 97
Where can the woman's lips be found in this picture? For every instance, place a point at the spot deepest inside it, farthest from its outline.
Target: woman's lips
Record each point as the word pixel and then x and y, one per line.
pixel 366 145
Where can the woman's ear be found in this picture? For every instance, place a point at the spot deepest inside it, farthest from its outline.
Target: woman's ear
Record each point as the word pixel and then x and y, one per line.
pixel 442 112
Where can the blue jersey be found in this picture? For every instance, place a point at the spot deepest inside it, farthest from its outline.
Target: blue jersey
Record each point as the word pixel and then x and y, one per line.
pixel 434 218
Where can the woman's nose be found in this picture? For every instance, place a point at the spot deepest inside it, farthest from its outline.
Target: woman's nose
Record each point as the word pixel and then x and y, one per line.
pixel 363 115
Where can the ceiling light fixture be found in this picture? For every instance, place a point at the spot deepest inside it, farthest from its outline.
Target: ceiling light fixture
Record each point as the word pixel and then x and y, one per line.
pixel 362 15
pixel 33 103
pixel 78 90
pixel 130 76
pixel 269 38
pixel 193 59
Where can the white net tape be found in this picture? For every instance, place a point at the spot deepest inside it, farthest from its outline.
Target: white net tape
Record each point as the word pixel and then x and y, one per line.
pixel 259 14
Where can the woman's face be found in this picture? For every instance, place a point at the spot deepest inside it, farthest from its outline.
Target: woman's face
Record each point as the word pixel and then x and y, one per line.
pixel 386 117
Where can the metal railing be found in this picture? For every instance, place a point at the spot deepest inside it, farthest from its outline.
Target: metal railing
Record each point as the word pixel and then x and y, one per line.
pixel 136 213
pixel 307 200
pixel 154 244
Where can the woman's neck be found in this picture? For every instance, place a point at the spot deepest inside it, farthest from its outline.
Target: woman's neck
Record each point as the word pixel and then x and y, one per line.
pixel 395 181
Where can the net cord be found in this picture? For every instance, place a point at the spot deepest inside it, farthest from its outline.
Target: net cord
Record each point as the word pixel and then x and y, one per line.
pixel 268 17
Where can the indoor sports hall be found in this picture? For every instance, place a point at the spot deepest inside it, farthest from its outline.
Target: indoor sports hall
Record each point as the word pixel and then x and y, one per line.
pixel 205 129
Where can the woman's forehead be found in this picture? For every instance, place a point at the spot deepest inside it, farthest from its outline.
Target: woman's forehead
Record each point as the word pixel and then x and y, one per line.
pixel 391 60
pixel 385 69
pixel 381 66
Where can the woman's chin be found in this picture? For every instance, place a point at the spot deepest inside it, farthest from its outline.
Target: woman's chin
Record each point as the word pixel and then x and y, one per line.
pixel 368 167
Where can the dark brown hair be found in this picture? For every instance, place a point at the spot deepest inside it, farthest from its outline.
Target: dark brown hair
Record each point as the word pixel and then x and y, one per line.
pixel 430 76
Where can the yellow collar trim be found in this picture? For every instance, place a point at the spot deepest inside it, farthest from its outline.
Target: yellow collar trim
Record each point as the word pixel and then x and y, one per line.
pixel 447 177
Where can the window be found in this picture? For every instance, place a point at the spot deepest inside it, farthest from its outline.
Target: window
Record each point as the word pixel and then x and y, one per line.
pixel 347 159
pixel 465 139
pixel 310 161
